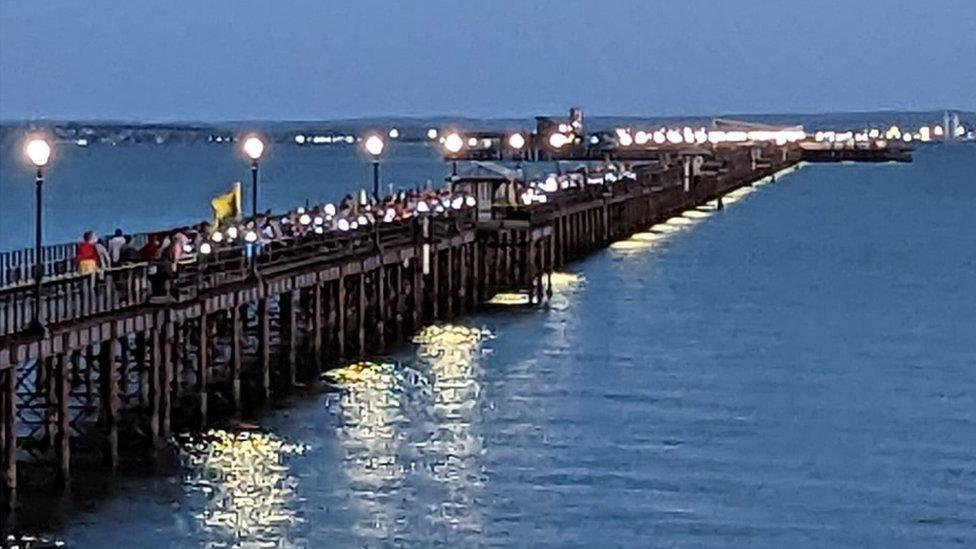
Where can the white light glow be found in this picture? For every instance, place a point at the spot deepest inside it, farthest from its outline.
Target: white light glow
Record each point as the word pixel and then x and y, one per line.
pixel 38 151
pixel 516 141
pixel 374 145
pixel 453 143
pixel 253 147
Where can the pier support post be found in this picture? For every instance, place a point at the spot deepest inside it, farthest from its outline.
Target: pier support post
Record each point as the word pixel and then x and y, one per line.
pixel 341 309
pixel 166 380
pixel 110 399
pixel 155 384
pixel 318 324
pixel 450 272
pixel 289 336
pixel 8 414
pixel 63 434
pixel 417 287
pixel 435 271
pixel 361 312
pixel 236 355
pixel 400 301
pixel 203 369
pixel 264 347
pixel 381 311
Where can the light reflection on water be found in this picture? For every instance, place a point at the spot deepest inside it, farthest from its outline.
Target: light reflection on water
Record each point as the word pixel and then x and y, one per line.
pixel 248 489
pixel 403 429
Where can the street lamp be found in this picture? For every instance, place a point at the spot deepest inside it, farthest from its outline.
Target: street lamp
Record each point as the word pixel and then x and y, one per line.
pixel 38 152
pixel 453 144
pixel 253 149
pixel 516 141
pixel 374 146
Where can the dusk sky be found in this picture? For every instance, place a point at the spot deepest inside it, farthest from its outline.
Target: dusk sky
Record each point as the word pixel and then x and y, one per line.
pixel 220 60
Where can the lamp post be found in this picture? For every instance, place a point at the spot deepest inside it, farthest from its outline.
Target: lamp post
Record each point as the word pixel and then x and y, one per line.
pixel 374 146
pixel 453 144
pixel 38 152
pixel 254 148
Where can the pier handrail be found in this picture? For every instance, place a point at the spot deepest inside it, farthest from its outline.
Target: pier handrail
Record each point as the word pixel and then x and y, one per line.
pixel 74 297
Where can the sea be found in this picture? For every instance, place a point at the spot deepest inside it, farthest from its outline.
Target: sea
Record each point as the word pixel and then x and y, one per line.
pixel 797 370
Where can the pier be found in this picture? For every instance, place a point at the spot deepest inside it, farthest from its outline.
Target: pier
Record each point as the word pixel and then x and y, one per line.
pixel 122 363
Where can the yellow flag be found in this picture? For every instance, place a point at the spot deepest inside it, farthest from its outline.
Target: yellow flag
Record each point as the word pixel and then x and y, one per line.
pixel 227 205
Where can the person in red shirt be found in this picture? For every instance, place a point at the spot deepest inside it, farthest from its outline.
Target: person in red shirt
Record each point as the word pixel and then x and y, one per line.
pixel 86 256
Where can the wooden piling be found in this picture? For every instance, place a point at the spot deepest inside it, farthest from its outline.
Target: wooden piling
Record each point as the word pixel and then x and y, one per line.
pixel 8 415
pixel 110 400
pixel 236 355
pixel 62 437
pixel 264 347
pixel 203 368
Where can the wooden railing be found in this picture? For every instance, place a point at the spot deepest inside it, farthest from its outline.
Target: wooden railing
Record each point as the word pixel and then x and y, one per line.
pixel 75 297
pixel 17 266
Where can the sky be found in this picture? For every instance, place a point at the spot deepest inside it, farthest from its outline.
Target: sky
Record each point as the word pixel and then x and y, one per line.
pixel 218 60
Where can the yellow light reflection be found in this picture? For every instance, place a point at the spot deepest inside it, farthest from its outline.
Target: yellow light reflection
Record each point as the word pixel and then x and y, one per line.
pixel 369 430
pixel 450 353
pixel 509 299
pixel 564 281
pixel 246 483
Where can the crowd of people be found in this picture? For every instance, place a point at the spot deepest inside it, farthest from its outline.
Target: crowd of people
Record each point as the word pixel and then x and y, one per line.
pixel 169 248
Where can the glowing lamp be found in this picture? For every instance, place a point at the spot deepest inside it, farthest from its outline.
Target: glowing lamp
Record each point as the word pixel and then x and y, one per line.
pixel 38 151
pixel 470 201
pixel 253 147
pixel 330 209
pixel 205 248
pixel 374 145
pixel 343 224
pixel 516 141
pixel 557 140
pixel 217 236
pixel 305 219
pixel 394 133
pixel 453 143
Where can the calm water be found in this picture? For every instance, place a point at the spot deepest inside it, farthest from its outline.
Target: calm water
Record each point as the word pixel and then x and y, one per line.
pixel 796 371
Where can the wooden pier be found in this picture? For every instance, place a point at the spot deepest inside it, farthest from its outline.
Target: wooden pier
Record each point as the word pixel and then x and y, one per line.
pixel 117 373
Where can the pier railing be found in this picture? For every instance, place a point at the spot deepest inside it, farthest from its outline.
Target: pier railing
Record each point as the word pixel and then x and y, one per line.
pixel 17 266
pixel 75 296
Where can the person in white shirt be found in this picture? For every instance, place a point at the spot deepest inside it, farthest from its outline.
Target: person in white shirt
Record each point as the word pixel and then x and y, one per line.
pixel 115 245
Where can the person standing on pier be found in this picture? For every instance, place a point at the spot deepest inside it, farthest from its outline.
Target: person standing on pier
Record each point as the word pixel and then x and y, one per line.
pixel 115 245
pixel 104 259
pixel 86 255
